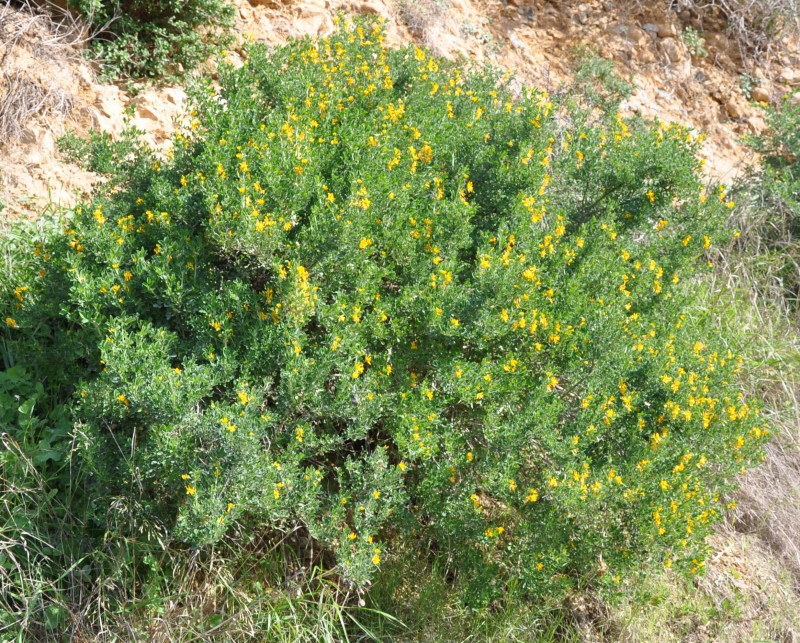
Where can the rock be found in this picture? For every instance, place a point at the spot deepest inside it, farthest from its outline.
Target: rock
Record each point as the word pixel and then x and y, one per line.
pixel 147 113
pixel 316 23
pixel 646 56
pixel 175 95
pixel 788 76
pixel 650 27
pixel 619 29
pixel 795 100
pixel 515 41
pixel 665 30
pixel 638 36
pixel 716 42
pixel 760 95
pixel 28 136
pixel 732 109
pixel 672 50
pixel 756 124
pixel 375 8
pixel 109 102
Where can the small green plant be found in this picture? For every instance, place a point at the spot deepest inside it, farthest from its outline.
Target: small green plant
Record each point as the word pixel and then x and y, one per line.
pixel 694 42
pixel 597 81
pixel 390 302
pixel 150 39
pixel 746 84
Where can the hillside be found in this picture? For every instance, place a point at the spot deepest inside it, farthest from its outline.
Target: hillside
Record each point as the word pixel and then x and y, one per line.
pixel 50 88
pixel 685 66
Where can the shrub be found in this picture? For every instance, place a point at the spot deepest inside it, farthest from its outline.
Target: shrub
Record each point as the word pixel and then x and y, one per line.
pixel 757 25
pixel 771 222
pixel 375 296
pixel 146 39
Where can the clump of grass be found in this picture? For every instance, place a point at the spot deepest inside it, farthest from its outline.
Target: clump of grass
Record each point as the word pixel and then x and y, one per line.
pixel 26 92
pixel 423 18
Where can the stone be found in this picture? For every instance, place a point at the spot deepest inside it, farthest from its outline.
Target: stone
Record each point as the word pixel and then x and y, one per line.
pixel 646 56
pixel 788 76
pixel 672 50
pixel 665 30
pixel 794 101
pixel 756 124
pixel 109 102
pixel 760 95
pixel 375 8
pixel 638 36
pixel 716 42
pixel 175 95
pixel 732 109
pixel 515 41
pixel 620 29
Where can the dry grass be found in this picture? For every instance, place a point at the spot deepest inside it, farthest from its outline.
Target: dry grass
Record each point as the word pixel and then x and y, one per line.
pixel 769 498
pixel 32 41
pixel 423 18
pixel 756 25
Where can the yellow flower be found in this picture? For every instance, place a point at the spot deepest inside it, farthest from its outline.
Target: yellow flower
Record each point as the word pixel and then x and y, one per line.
pixel 190 490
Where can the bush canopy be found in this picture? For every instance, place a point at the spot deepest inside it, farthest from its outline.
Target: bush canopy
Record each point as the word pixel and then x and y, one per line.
pixel 374 295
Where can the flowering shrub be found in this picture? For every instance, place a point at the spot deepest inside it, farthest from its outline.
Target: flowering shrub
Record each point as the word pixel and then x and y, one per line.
pixel 374 295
